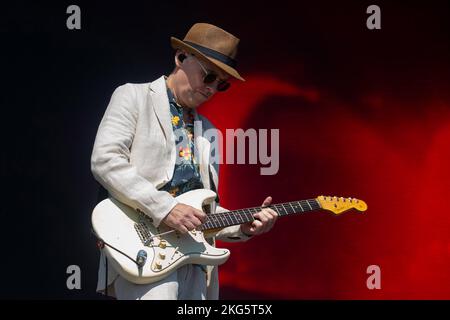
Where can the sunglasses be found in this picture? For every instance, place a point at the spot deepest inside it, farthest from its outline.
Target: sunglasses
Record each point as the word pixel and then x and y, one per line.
pixel 210 77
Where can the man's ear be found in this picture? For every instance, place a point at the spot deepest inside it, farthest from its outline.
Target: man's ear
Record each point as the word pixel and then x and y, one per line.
pixel 180 56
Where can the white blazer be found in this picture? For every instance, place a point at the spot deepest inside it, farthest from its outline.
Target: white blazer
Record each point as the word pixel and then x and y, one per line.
pixel 134 155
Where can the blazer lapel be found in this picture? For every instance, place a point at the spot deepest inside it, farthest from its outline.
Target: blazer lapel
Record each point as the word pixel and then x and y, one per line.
pixel 160 101
pixel 158 93
pixel 203 147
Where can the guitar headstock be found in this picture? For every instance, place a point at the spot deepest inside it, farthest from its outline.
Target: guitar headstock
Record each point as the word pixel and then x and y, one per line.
pixel 339 205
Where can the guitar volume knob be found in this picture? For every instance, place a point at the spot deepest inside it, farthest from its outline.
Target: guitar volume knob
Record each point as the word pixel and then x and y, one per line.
pixel 163 244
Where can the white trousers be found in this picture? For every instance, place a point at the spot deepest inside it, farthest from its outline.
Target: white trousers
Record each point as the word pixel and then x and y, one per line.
pixel 187 283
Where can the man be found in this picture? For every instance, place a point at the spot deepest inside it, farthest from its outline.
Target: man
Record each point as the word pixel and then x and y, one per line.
pixel 148 149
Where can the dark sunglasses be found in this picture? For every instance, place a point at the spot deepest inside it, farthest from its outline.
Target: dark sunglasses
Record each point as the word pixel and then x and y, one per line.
pixel 210 77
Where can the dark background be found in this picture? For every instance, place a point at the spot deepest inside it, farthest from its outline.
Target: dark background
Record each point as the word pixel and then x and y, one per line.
pixel 362 113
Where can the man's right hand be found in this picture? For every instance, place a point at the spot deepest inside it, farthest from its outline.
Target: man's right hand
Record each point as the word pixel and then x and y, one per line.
pixel 184 218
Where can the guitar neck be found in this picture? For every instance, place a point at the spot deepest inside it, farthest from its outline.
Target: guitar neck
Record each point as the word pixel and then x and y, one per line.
pixel 235 217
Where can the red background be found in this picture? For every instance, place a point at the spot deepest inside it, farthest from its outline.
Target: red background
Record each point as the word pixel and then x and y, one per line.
pixel 361 113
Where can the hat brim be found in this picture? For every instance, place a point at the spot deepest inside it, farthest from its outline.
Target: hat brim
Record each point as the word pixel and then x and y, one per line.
pixel 179 44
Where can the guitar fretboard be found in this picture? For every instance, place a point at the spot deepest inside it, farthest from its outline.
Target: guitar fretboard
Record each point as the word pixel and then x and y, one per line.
pixel 231 218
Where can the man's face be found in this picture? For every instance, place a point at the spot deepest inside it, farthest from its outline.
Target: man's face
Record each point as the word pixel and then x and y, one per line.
pixel 193 91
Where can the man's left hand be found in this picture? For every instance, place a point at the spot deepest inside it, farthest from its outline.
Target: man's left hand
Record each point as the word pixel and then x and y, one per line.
pixel 264 220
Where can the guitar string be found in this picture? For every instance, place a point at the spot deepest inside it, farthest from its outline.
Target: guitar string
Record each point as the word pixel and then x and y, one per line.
pixel 214 217
pixel 277 206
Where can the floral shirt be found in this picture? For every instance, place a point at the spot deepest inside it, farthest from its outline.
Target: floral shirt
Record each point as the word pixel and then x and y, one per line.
pixel 186 175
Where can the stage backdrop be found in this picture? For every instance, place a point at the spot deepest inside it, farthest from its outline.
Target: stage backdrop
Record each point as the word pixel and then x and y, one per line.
pixel 361 113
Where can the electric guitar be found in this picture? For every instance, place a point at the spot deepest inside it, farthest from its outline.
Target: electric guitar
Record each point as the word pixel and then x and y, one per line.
pixel 142 253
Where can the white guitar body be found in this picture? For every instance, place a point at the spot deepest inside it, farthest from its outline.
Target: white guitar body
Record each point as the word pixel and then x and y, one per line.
pixel 132 233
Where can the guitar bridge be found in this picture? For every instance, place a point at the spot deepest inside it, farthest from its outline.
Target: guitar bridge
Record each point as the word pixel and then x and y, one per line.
pixel 143 231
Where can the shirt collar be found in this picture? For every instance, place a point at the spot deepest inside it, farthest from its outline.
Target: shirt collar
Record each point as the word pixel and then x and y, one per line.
pixel 171 97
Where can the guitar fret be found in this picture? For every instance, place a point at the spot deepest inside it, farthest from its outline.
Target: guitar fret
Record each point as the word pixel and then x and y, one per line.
pixel 294 207
pixel 287 209
pixel 277 208
pixel 304 207
pixel 233 218
pixel 214 221
pixel 252 211
pixel 237 215
pixel 249 216
pixel 243 216
pixel 293 210
pixel 217 221
pixel 223 220
pixel 314 204
pixel 229 217
pixel 205 226
pixel 226 215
